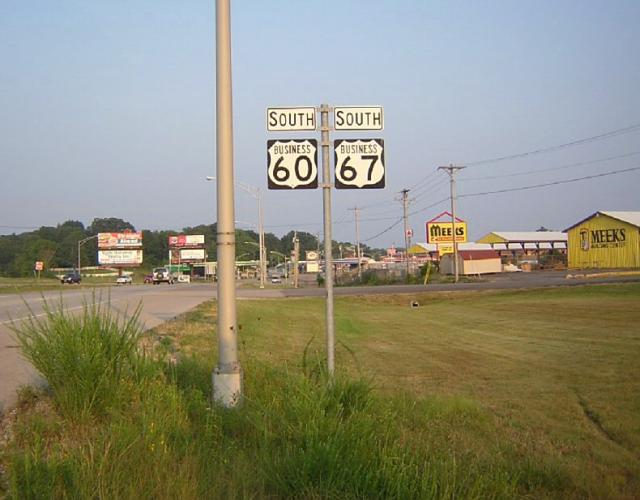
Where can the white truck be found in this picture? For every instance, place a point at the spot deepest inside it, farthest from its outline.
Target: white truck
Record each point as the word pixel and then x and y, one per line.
pixel 162 275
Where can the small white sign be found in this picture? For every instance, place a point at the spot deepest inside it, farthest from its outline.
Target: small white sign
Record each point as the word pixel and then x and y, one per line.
pixel 359 163
pixel 292 164
pixel 358 118
pixel 119 257
pixel 191 254
pixel 291 119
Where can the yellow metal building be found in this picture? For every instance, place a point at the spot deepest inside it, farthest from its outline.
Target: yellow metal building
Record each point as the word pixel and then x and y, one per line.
pixel 605 240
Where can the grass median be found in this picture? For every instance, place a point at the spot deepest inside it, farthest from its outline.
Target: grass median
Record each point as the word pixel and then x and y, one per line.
pixel 474 395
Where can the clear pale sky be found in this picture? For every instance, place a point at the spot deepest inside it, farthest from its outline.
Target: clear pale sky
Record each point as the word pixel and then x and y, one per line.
pixel 107 109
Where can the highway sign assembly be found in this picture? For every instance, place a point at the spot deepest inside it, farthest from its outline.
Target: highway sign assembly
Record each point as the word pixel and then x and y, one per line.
pixel 359 163
pixel 292 164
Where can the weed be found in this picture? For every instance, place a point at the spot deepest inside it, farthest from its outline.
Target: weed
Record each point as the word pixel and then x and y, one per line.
pixel 84 358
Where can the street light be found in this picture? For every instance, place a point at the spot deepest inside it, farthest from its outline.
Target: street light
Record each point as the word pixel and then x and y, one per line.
pixel 284 262
pixel 80 243
pixel 256 192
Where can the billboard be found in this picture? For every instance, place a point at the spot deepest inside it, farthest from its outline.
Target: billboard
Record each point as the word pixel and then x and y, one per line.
pixel 187 254
pixel 120 257
pixel 186 240
pixel 120 240
pixel 441 232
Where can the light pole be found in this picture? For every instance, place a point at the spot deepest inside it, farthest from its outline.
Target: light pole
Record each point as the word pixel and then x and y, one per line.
pixel 284 262
pixel 256 192
pixel 80 243
pixel 227 375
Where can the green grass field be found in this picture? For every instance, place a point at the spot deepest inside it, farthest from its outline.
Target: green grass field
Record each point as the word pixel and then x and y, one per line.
pixel 530 394
pixel 557 371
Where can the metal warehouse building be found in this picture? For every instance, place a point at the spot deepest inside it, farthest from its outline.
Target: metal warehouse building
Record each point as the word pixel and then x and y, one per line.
pixel 605 240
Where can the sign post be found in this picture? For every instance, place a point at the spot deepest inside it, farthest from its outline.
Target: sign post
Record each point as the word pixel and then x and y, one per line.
pixel 293 164
pixel 38 267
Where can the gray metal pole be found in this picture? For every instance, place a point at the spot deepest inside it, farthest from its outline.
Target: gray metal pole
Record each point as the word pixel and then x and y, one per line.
pixel 328 257
pixel 261 239
pixel 357 214
pixel 227 376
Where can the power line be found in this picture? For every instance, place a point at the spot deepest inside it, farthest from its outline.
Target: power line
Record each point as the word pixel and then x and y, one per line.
pixel 559 167
pixel 433 173
pixel 606 135
pixel 422 209
pixel 431 189
pixel 555 183
pixel 385 231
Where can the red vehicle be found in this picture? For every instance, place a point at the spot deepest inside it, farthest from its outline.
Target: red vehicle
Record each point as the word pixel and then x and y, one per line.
pixel 148 278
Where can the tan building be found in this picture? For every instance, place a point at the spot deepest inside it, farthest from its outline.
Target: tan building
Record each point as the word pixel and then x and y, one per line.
pixel 605 240
pixel 472 262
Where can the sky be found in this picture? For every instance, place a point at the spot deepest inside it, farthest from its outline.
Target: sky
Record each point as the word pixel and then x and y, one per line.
pixel 108 110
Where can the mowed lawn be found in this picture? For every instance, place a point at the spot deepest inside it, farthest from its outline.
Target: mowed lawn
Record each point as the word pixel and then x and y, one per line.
pixel 556 371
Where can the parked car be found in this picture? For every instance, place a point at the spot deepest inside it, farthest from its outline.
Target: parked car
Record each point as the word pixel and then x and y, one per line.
pixel 148 278
pixel 124 280
pixel 70 278
pixel 162 275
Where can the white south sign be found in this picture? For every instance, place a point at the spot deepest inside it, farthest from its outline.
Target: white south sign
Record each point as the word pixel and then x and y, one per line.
pixel 292 164
pixel 358 118
pixel 359 163
pixel 291 118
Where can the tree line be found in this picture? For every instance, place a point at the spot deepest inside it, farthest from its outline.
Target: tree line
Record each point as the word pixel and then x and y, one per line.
pixel 57 247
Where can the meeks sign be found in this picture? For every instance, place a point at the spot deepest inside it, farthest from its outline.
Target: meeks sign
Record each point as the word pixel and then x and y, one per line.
pixel 602 238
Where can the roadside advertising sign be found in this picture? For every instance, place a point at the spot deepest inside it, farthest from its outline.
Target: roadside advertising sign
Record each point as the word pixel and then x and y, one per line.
pixel 441 232
pixel 186 240
pixel 444 248
pixel 120 240
pixel 119 257
pixel 312 261
pixel 189 254
pixel 39 265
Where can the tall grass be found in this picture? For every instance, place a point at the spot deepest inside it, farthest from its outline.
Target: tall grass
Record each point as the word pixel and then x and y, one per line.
pixel 155 434
pixel 86 357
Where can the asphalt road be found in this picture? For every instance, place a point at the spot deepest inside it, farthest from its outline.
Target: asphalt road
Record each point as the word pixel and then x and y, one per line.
pixel 164 302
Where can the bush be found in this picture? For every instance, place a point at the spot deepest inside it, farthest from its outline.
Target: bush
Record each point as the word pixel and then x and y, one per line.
pixel 86 358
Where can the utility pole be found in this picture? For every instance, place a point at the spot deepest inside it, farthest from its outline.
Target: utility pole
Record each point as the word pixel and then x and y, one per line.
pixel 405 204
pixel 295 258
pixel 227 375
pixel 356 212
pixel 451 170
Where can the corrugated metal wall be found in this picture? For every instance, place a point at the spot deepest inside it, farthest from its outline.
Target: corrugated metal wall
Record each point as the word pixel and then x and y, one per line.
pixel 604 242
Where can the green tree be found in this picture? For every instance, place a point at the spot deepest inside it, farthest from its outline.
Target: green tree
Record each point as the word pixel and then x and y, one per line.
pixel 109 225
